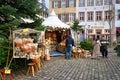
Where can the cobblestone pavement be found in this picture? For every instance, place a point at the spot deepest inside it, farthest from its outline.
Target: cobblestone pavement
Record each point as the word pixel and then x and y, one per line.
pixel 59 68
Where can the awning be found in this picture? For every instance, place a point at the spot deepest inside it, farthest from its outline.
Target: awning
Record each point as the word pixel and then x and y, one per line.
pixel 91 34
pixel 107 33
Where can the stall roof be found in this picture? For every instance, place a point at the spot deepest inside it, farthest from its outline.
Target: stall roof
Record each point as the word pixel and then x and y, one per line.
pixel 28 30
pixel 54 22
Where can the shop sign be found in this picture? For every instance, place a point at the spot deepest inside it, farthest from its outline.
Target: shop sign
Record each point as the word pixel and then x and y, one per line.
pixel 97 26
pixel 25 30
pixel 7 71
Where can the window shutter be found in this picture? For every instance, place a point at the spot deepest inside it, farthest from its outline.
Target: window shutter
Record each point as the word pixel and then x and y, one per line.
pixel 52 4
pixel 67 3
pixel 67 17
pixel 74 3
pixel 59 2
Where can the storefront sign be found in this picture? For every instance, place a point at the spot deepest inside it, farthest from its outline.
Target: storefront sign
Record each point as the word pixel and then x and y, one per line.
pixel 97 26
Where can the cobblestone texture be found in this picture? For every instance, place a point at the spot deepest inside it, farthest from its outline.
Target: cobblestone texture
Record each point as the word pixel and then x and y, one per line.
pixel 59 68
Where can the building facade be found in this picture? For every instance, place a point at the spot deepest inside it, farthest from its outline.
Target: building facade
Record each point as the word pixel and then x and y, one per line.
pixel 44 9
pixel 65 9
pixel 96 16
pixel 117 18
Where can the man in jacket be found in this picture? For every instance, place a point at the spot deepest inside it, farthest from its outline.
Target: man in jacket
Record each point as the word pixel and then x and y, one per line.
pixel 104 48
pixel 69 45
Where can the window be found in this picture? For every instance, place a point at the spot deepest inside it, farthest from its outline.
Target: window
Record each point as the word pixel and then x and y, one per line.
pixel 107 31
pixel 107 2
pixel 63 3
pixel 98 15
pixel 119 14
pixel 71 3
pixel 90 31
pixel 71 16
pixel 118 1
pixel 90 16
pixel 99 2
pixel 90 2
pixel 82 2
pixel 107 15
pixel 63 17
pixel 98 31
pixel 55 4
pixel 82 16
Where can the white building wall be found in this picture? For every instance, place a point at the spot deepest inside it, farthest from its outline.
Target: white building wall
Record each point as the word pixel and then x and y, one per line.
pixel 94 8
pixel 117 22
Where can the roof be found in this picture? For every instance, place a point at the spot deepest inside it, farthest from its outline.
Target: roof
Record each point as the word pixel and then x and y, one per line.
pixel 54 22
pixel 26 30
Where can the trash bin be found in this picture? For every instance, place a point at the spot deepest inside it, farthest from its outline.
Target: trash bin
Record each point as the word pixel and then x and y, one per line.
pixel 118 49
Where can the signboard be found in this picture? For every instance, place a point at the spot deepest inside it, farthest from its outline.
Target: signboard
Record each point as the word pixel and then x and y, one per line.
pixel 97 26
pixel 7 71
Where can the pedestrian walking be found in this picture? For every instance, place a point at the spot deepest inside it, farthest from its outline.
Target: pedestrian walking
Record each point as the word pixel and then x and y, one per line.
pixel 96 48
pixel 103 49
pixel 69 45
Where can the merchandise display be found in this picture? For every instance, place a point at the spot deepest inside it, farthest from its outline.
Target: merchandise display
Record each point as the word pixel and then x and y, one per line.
pixel 56 39
pixel 25 44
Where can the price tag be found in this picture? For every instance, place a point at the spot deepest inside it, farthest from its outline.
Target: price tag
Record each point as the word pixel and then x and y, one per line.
pixel 7 71
pixel 25 30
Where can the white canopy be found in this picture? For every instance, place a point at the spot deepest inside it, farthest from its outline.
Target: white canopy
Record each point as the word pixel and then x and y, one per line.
pixel 27 20
pixel 54 22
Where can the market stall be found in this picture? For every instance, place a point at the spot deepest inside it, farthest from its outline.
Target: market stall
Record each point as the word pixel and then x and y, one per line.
pixel 56 32
pixel 25 43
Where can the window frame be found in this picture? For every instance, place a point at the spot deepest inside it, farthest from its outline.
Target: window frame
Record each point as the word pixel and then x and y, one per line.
pixel 99 2
pixel 63 17
pixel 99 16
pixel 56 4
pixel 90 16
pixel 82 18
pixel 71 16
pixel 117 1
pixel 90 2
pixel 71 3
pixel 118 16
pixel 106 15
pixel 63 3
pixel 107 3
pixel 83 4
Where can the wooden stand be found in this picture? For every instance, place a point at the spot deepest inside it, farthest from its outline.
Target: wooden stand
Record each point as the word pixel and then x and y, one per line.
pixel 31 69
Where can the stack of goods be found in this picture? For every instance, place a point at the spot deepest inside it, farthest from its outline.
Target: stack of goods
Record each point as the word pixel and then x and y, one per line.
pixel 88 54
pixel 24 46
pixel 35 55
pixel 52 47
pixel 52 41
pixel 75 53
pixel 61 47
pixel 80 53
